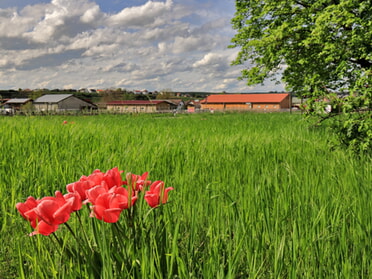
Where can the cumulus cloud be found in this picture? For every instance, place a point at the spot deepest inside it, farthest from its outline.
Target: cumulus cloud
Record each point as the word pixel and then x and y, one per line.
pixel 215 61
pixel 91 14
pixel 153 45
pixel 140 16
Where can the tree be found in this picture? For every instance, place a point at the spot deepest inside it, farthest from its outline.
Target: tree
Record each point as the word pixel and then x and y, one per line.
pixel 321 49
pixel 165 94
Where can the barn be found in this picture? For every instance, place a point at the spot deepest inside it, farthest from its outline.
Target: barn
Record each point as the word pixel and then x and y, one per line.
pixel 137 106
pixel 17 104
pixel 61 102
pixel 257 101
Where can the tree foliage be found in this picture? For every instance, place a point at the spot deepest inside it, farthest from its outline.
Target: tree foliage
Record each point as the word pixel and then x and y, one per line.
pixel 322 51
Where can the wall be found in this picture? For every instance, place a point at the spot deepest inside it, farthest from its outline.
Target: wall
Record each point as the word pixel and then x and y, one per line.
pixel 45 107
pixel 163 106
pixel 285 103
pixel 243 106
pixel 72 103
pixel 131 108
pixel 213 106
pixel 266 106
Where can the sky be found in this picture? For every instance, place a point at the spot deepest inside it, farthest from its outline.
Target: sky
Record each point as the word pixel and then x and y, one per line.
pixel 178 45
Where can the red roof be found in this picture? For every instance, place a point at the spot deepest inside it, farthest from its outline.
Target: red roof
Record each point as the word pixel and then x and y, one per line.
pixel 136 102
pixel 245 98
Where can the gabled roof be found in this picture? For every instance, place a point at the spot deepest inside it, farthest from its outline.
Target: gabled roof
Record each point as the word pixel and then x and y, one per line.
pixel 52 98
pixel 18 101
pixel 137 102
pixel 245 98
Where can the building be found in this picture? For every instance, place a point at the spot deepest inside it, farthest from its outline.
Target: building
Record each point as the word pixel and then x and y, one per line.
pixel 61 102
pixel 264 101
pixel 193 105
pixel 137 106
pixel 17 104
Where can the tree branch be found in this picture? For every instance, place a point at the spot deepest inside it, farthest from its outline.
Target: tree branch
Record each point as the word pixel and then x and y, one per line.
pixel 364 63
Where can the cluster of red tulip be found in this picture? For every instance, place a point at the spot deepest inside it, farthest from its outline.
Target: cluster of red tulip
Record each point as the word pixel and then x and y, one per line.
pixel 104 191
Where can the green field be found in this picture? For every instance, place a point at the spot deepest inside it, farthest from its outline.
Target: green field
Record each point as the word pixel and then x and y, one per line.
pixel 255 196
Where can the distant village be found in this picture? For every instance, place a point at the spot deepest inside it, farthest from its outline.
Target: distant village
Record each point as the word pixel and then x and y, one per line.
pixel 56 101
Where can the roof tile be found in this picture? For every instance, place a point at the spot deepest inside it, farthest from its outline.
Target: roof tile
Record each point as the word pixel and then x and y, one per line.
pixel 246 98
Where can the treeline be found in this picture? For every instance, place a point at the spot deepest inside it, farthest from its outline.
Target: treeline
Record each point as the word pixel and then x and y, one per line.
pixel 103 96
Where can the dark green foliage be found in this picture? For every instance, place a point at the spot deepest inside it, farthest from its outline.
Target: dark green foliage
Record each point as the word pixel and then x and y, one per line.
pixel 322 49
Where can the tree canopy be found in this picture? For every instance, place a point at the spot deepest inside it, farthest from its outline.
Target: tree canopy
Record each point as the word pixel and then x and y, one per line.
pixel 321 49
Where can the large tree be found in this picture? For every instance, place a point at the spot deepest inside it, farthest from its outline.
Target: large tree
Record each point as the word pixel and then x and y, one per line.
pixel 321 49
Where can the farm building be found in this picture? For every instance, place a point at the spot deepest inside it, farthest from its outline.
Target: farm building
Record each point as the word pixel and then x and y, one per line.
pixel 61 102
pixel 140 106
pixel 17 104
pixel 193 106
pixel 264 101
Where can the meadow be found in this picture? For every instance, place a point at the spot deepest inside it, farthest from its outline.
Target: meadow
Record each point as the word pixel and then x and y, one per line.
pixel 255 196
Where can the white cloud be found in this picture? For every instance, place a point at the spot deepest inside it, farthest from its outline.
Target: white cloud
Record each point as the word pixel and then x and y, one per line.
pixel 140 16
pixel 91 14
pixel 156 45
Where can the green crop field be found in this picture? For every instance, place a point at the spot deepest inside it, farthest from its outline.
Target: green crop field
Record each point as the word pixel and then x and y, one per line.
pixel 255 196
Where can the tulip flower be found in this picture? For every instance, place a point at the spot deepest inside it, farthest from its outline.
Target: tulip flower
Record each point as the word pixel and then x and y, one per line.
pixel 107 207
pixel 27 210
pixel 53 213
pixel 47 213
pixel 44 229
pixel 105 193
pixel 95 192
pixel 137 182
pixel 157 194
pixel 123 196
pixel 79 187
pixel 113 178
pixel 74 199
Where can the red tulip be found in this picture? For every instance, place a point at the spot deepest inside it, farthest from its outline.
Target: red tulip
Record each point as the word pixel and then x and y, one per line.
pixel 113 177
pixel 137 182
pixel 123 197
pixel 74 199
pixel 107 207
pixel 93 193
pixel 95 178
pixel 44 229
pixel 54 210
pixel 157 194
pixel 47 213
pixel 79 187
pixel 27 210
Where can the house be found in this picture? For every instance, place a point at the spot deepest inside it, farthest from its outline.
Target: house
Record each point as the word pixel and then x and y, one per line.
pixel 62 102
pixel 141 106
pixel 263 101
pixel 17 104
pixel 192 105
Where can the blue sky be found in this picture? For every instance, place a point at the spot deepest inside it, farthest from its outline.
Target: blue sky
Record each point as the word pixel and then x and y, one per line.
pixel 179 45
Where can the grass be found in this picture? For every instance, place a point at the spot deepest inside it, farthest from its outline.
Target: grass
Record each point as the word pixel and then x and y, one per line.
pixel 256 195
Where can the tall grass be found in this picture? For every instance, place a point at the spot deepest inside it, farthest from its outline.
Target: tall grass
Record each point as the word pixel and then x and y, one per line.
pixel 256 195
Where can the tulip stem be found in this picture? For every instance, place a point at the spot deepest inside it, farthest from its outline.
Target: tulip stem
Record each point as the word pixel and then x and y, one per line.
pixel 71 231
pixel 84 232
pixel 69 253
pixel 58 240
